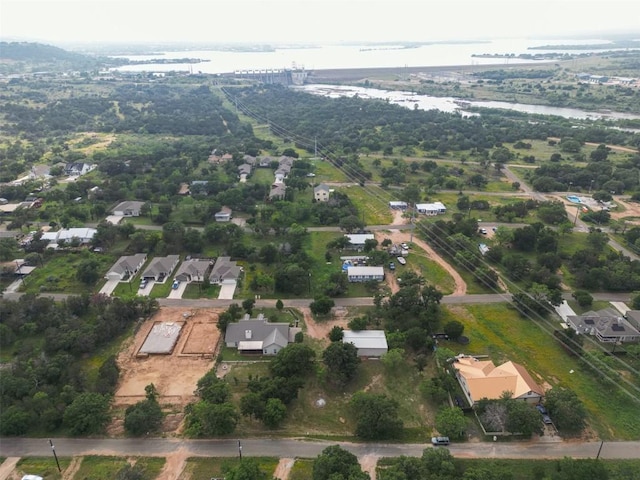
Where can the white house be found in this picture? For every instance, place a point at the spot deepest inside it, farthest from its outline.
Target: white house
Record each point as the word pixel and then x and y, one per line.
pixel 224 215
pixel 397 205
pixel 321 193
pixel 126 266
pixel 82 235
pixel 128 209
pixel 435 208
pixel 365 274
pixel 370 343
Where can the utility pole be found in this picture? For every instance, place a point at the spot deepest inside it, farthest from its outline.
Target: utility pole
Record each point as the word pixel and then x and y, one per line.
pixel 53 449
pixel 240 450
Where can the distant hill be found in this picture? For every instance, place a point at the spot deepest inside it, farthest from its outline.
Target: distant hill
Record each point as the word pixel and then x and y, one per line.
pixel 37 52
pixel 17 57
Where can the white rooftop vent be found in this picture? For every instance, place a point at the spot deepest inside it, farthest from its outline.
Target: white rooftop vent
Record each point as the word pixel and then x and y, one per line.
pixel 261 316
pixel 247 334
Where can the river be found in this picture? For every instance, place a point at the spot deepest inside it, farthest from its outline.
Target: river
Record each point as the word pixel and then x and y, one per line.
pixel 451 104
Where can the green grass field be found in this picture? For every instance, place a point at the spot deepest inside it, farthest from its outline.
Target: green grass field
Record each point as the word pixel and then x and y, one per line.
pixel 105 468
pixel 498 331
pixel 213 467
pixel 371 202
pixel 43 466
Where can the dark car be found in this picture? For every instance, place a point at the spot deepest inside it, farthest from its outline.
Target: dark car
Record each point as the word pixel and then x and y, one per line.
pixel 547 419
pixel 541 409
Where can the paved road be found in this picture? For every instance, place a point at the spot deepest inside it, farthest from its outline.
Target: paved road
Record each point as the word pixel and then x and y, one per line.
pixel 29 447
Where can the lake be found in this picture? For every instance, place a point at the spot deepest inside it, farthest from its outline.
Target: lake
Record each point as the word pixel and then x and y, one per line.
pixel 347 56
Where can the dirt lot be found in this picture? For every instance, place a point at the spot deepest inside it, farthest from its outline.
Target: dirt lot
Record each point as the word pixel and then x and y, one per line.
pixel 175 375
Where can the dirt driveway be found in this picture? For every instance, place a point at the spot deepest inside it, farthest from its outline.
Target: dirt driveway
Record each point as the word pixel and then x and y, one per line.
pixel 398 236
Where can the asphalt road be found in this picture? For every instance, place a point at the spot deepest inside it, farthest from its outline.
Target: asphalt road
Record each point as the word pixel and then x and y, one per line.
pixel 66 447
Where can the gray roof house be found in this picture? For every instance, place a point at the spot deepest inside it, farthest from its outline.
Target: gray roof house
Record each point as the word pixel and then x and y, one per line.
pixel 128 209
pixel 365 274
pixel 126 266
pixel 264 161
pixel 161 267
pixel 607 325
pixel 224 270
pixel 321 193
pixel 194 270
pixel 278 191
pixel 244 169
pixel 258 336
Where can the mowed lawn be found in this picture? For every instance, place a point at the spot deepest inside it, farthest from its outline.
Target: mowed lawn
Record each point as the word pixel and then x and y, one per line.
pixel 498 331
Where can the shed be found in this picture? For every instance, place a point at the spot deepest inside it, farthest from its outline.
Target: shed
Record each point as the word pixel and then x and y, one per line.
pixel 370 343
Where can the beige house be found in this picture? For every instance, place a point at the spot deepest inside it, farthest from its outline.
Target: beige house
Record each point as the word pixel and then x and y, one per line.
pixel 482 379
pixel 321 193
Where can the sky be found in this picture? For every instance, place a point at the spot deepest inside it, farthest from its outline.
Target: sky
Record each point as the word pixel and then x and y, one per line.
pixel 278 21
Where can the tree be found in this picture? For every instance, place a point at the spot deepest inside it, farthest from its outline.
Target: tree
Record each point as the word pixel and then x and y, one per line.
pixel 351 223
pixel 566 409
pixel 321 305
pixel 393 359
pixel 376 416
pixel 454 329
pixel 143 417
pixel 335 463
pixel 336 333
pixel 279 305
pixel 580 469
pixel 583 298
pixel 252 405
pixel 247 469
pixel 522 418
pixel 451 422
pixel 212 389
pixel 204 419
pixel 87 414
pixel 342 361
pixel 274 413
pixel 296 359
pixel 247 305
pixel 88 271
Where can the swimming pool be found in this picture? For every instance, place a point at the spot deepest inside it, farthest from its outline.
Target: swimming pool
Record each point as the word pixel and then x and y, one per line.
pixel 573 198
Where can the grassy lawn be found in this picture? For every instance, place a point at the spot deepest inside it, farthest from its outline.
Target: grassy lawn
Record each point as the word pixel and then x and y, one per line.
pixel 196 290
pixel 497 330
pixel 44 466
pixel 302 469
pixel 373 208
pixel 210 467
pixel 105 468
pixel 430 270
pixel 59 273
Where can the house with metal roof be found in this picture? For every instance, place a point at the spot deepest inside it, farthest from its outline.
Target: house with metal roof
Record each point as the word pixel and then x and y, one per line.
pixel 370 343
pixel 357 240
pixel 606 325
pixel 161 267
pixel 365 274
pixel 431 209
pixel 482 379
pixel 126 266
pixel 258 336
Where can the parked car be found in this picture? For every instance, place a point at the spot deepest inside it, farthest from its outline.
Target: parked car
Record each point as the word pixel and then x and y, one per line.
pixel 143 284
pixel 401 261
pixel 483 231
pixel 405 246
pixel 547 419
pixel 392 266
pixel 31 477
pixel 440 441
pixel 541 409
pixel 176 284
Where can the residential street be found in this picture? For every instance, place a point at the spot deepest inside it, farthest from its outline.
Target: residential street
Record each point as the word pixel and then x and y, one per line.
pixel 65 447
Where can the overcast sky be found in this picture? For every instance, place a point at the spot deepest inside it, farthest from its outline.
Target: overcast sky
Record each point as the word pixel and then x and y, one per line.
pixel 71 21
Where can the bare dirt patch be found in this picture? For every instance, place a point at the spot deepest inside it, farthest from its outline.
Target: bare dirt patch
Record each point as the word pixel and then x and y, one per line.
pixel 174 375
pixel 320 329
pixel 174 465
pixel 283 468
pixel 368 464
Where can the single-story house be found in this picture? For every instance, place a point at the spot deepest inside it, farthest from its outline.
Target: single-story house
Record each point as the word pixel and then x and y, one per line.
pixel 82 235
pixel 126 266
pixel 258 336
pixel 607 325
pixel 365 274
pixel 370 343
pixel 435 208
pixel 396 205
pixel 194 270
pixel 128 209
pixel 264 161
pixel 224 270
pixel 278 191
pixel 482 379
pixel 76 169
pixel 321 193
pixel 357 241
pixel 251 160
pixel 160 268
pixel 224 215
pixel 244 169
pixel 633 317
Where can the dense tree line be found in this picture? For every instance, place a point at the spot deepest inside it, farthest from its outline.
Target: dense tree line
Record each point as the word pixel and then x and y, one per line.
pixel 44 387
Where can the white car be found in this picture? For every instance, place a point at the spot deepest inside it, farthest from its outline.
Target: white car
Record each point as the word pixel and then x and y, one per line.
pixel 401 261
pixel 31 477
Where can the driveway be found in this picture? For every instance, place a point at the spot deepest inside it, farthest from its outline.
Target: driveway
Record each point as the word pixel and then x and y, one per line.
pixel 564 310
pixel 177 293
pixel 227 290
pixel 109 287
